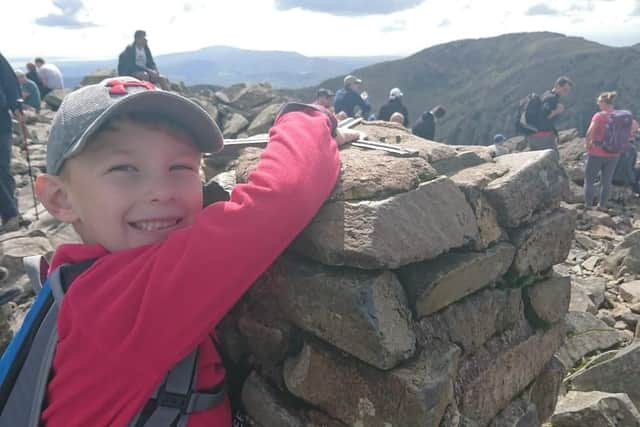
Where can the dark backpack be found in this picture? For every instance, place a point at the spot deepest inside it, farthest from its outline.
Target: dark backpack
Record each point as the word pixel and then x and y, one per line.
pixel 528 117
pixel 26 364
pixel 617 132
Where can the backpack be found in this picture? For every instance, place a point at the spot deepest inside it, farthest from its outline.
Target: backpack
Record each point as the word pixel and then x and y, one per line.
pixel 617 131
pixel 528 116
pixel 26 363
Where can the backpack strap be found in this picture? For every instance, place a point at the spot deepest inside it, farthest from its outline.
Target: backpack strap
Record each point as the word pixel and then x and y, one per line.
pixel 176 399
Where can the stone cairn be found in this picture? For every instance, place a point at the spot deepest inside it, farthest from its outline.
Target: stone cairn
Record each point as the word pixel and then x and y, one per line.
pixel 422 294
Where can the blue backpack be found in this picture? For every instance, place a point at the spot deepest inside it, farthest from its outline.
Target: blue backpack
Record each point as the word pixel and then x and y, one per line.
pixel 617 132
pixel 26 363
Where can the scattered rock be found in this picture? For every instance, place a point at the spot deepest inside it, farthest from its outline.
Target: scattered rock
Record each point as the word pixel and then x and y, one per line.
pixel 98 76
pixel 580 301
pixel 595 408
pixel 630 291
pixel 263 122
pixel 55 97
pixel 235 124
pixel 549 300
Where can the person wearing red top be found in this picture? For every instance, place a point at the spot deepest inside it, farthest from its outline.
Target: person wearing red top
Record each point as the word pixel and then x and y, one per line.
pixel 599 161
pixel 125 174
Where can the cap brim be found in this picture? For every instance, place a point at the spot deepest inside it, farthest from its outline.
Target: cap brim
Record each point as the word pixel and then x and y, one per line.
pixel 203 129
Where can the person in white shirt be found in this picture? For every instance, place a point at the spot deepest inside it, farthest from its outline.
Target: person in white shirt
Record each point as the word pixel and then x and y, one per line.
pixel 498 148
pixel 50 76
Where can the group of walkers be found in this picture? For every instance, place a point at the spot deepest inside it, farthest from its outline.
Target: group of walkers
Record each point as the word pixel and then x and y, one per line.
pixel 352 100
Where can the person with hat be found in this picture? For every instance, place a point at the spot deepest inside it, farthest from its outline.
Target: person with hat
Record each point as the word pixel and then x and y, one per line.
pixel 425 127
pixel 137 61
pixel 394 105
pixel 123 162
pixel 351 97
pixel 498 148
pixel 324 97
pixel 30 91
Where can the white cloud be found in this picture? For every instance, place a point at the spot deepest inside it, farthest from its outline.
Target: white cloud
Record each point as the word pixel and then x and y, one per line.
pixel 193 24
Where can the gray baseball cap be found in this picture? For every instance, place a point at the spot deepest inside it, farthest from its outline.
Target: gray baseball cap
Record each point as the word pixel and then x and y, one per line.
pixel 83 111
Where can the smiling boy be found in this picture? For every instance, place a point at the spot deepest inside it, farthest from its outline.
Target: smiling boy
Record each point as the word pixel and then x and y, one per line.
pixel 122 163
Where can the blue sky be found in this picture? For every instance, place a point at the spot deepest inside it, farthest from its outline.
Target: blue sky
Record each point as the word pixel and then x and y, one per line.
pixel 96 29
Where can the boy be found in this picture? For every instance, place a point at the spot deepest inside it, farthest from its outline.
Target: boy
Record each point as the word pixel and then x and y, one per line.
pixel 122 163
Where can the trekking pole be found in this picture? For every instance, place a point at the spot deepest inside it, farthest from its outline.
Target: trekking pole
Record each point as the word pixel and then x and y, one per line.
pixel 23 128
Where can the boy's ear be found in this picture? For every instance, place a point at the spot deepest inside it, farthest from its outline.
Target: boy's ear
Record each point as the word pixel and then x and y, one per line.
pixel 54 195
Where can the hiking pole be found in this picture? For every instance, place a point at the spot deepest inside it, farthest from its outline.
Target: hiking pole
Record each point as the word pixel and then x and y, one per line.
pixel 23 129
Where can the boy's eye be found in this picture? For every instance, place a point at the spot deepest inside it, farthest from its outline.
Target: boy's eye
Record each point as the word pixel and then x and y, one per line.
pixel 180 167
pixel 123 168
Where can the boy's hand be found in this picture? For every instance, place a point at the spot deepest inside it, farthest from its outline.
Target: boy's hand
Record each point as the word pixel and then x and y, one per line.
pixel 345 136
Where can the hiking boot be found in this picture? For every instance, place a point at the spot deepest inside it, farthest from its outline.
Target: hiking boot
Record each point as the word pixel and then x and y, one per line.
pixel 12 224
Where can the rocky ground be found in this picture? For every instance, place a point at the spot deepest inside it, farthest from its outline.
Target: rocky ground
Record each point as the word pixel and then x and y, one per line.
pixel 600 356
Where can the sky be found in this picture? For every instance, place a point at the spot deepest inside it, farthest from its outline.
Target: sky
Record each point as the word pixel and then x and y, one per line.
pixel 99 29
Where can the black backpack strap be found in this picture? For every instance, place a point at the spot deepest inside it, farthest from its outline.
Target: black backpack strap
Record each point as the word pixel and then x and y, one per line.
pixel 176 399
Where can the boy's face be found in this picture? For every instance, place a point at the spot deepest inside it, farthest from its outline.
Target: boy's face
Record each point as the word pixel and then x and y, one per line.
pixel 129 187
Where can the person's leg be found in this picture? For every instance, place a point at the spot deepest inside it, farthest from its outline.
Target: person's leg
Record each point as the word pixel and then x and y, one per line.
pixel 546 142
pixel 607 169
pixel 8 208
pixel 591 170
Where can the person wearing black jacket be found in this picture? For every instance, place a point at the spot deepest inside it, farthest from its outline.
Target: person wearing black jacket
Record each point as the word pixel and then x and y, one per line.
pixel 394 105
pixel 9 102
pixel 137 61
pixel 32 74
pixel 425 127
pixel 350 97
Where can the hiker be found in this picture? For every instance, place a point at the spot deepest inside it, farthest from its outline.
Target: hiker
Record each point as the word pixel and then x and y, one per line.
pixel 398 118
pixel 166 271
pixel 324 97
pixel 350 97
pixel 394 105
pixel 9 96
pixel 498 148
pixel 50 76
pixel 137 61
pixel 545 136
pixel 425 127
pixel 32 74
pixel 608 136
pixel 29 91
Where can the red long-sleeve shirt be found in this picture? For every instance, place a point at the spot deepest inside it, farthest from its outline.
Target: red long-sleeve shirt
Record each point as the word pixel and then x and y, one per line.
pixel 134 314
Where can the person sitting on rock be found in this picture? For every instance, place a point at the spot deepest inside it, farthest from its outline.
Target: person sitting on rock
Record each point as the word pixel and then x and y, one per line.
pixel 498 148
pixel 50 75
pixel 351 97
pixel 165 270
pixel 425 127
pixel 394 105
pixel 324 97
pixel 600 161
pixel 30 92
pixel 32 74
pixel 137 61
pixel 398 118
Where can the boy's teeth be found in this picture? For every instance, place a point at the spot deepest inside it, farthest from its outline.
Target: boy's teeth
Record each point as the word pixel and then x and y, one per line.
pixel 155 225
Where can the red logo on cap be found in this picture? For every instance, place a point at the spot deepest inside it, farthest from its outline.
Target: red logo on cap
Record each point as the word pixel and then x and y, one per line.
pixel 119 87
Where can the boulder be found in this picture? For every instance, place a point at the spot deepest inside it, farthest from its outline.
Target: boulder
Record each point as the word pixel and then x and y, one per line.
pixel 618 374
pixel 586 334
pixel 461 160
pixel 264 120
pixel 339 305
pixel 630 291
pixel 543 244
pixel 593 286
pixel 545 390
pixel 491 378
pixel 55 97
pixel 580 301
pixel 519 413
pixel 626 255
pixel 535 182
pixel 247 96
pixel 382 234
pixel 98 76
pixel 234 124
pixel 264 403
pixel 596 408
pixel 433 285
pixel 417 394
pixel 470 323
pixel 548 301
